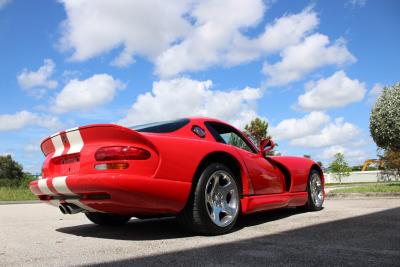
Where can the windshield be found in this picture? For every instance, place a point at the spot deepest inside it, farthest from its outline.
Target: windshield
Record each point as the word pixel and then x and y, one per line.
pixel 161 127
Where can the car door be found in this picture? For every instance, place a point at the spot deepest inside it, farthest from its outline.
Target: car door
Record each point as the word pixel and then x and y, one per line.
pixel 265 177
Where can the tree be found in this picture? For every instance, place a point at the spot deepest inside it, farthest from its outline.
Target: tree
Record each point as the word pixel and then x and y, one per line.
pixel 391 160
pixel 10 169
pixel 339 167
pixel 384 123
pixel 257 130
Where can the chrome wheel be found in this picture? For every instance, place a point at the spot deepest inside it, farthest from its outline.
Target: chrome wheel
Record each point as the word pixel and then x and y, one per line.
pixel 316 190
pixel 222 198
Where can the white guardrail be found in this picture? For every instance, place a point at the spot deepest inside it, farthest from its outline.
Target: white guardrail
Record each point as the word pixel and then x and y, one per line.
pixel 365 176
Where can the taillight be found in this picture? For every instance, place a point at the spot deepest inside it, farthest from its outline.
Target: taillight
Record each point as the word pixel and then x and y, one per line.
pixel 121 153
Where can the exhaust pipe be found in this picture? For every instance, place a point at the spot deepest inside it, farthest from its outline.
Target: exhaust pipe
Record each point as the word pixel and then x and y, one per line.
pixel 62 209
pixel 73 209
pixel 68 208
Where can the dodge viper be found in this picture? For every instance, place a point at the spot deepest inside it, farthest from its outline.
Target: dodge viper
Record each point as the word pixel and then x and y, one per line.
pixel 203 171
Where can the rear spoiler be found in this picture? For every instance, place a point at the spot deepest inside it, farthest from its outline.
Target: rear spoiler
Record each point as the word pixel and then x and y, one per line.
pixel 72 141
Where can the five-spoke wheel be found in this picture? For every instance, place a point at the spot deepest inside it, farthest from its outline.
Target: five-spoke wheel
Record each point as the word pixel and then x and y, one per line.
pixel 214 206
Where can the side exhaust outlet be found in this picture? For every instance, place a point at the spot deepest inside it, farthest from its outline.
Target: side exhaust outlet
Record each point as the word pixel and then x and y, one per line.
pixel 69 208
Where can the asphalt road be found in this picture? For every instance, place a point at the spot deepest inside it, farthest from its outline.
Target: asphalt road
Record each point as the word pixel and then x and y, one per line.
pixel 363 232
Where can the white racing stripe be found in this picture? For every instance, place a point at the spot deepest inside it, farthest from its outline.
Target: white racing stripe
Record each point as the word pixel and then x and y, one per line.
pixel 42 184
pixel 60 184
pixel 58 145
pixel 75 141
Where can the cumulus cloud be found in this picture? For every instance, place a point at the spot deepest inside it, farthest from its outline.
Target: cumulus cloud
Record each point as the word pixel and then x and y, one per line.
pixel 179 36
pixel 298 60
pixel 337 90
pixel 337 132
pixel 295 128
pixel 316 130
pixel 351 154
pixel 21 119
pixel 86 94
pixel 218 39
pixel 138 27
pixel 39 79
pixel 212 35
pixel 184 97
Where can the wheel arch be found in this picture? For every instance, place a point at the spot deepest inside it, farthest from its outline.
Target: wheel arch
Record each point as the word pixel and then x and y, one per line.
pixel 319 170
pixel 229 161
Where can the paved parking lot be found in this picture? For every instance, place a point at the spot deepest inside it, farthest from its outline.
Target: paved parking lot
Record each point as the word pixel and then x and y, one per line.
pixel 360 232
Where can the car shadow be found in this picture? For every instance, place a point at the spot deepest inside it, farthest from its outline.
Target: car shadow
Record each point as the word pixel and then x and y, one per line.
pixel 367 240
pixel 164 228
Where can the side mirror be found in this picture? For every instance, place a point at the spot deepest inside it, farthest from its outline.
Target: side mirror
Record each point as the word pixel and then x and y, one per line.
pixel 266 145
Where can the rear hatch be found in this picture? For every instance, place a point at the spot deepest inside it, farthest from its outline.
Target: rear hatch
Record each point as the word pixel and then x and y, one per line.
pixel 73 151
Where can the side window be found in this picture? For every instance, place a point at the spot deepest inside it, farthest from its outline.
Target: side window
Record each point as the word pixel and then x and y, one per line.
pixel 235 140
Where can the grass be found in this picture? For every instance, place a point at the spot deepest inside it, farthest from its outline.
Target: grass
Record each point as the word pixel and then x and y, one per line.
pixel 370 188
pixel 16 193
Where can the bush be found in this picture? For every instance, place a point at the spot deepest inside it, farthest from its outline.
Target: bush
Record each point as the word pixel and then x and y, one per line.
pixel 384 122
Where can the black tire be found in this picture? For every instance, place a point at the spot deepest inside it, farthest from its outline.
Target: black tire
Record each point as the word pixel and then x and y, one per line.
pixel 195 215
pixel 311 205
pixel 107 219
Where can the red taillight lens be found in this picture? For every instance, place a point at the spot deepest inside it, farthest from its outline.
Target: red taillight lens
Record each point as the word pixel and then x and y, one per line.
pixel 121 153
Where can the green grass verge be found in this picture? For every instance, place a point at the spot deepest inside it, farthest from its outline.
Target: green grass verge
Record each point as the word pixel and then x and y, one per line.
pixel 370 188
pixel 16 193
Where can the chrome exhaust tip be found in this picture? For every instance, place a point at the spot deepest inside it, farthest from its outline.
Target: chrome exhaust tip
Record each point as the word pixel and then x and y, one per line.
pixel 62 209
pixel 73 209
pixel 67 209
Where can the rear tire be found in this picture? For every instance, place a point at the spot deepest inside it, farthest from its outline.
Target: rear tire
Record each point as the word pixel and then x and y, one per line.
pixel 107 219
pixel 315 190
pixel 214 205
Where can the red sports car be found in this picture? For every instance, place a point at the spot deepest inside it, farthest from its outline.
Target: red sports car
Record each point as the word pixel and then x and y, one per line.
pixel 202 170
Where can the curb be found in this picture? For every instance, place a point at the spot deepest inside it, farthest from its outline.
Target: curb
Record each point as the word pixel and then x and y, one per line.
pixel 362 195
pixel 20 202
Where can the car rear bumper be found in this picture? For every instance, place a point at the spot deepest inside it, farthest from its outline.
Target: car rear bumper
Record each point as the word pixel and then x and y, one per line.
pixel 114 193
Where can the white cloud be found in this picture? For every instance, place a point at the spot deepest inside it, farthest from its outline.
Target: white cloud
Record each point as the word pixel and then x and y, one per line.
pixel 375 92
pixel 217 39
pixel 39 79
pixel 179 36
pixel 184 97
pixel 337 132
pixel 139 27
pixel 3 3
pixel 217 24
pixel 300 59
pixel 351 154
pixel 19 120
pixel 87 94
pixel 295 128
pixel 337 90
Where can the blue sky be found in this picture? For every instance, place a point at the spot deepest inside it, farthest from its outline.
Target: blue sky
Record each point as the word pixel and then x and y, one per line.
pixel 311 68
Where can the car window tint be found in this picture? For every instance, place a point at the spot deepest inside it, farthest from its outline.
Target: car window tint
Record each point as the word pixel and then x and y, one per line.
pixel 161 127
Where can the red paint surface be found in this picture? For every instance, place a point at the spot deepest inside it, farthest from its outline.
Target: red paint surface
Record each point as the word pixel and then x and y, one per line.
pixel 162 183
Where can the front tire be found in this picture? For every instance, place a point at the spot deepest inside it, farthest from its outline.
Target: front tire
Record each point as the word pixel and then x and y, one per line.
pixel 214 206
pixel 315 190
pixel 107 219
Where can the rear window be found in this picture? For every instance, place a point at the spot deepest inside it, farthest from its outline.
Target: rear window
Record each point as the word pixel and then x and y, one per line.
pixel 161 127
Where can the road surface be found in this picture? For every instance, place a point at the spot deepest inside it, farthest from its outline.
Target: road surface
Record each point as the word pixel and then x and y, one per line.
pixel 361 232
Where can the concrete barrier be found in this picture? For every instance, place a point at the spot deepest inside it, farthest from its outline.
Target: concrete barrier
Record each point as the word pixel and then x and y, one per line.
pixel 365 176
